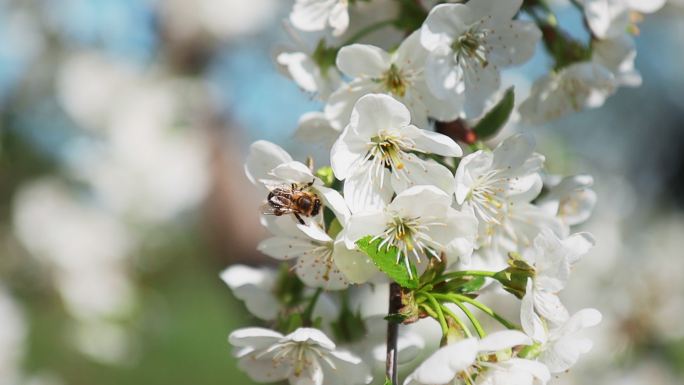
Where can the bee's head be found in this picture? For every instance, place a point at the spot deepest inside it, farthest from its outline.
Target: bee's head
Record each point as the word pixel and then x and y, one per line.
pixel 316 207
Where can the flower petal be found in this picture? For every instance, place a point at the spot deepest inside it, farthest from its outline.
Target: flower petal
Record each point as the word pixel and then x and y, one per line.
pixel 320 270
pixel 355 265
pixel 480 84
pixel 363 192
pixel 444 364
pixel 362 60
pixel 340 104
pixel 254 337
pixel 375 112
pixel 494 9
pixel 513 43
pixel 418 172
pixel 549 306
pixel 264 368
pixel 253 287
pixel 442 23
pixel 364 224
pixel 301 68
pixel 347 154
pixel 263 157
pixel 335 202
pixel 432 142
pixel 443 80
pixel 314 127
pixel 503 339
pixel 311 15
pixel 285 248
pixel 645 6
pixel 311 336
pixel 531 323
pixel 421 201
pixel 339 18
pixel 293 172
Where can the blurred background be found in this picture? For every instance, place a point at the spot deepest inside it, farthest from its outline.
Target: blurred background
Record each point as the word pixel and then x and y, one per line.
pixel 123 128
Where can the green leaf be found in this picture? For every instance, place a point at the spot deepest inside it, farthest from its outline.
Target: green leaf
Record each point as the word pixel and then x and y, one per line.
pixel 474 284
pixel 465 284
pixel 388 381
pixel 386 260
pixel 495 119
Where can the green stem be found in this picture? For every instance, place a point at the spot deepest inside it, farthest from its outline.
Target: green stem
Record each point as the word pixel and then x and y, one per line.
pixel 485 309
pixel 306 316
pixel 458 320
pixel 438 309
pixel 365 31
pixel 465 273
pixel 473 320
pixel 429 310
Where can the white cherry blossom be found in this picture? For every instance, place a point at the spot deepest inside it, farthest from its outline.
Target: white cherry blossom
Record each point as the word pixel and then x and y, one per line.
pixel 376 154
pixel 452 361
pixel 561 347
pixel 314 127
pixel 304 357
pixel 552 259
pixel 576 87
pixel 420 223
pixel 611 18
pixel 321 260
pixel 400 74
pixel 256 287
pixel 488 181
pixel 268 165
pixel 516 232
pixel 315 15
pixel 617 55
pixel 469 44
pixel 253 286
pixel 571 199
pixel 516 371
pixel 302 65
pixel 445 364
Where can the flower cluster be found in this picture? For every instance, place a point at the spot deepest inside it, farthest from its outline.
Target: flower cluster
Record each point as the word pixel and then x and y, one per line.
pixel 415 199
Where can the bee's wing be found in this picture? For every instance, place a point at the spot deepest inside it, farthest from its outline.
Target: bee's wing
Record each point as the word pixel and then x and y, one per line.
pixel 267 209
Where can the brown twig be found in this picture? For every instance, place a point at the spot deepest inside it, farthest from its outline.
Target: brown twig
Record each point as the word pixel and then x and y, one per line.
pixel 393 334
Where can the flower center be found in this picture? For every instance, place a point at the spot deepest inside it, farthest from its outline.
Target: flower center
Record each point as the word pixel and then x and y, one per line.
pixel 388 149
pixel 409 236
pixel 395 81
pixel 300 355
pixel 486 196
pixel 470 46
pixel 576 90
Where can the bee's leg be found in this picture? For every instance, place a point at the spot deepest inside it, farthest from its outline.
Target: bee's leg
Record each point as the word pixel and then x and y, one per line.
pixel 311 183
pixel 299 219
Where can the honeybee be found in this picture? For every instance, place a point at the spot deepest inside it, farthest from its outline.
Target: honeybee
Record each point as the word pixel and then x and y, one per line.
pixel 294 200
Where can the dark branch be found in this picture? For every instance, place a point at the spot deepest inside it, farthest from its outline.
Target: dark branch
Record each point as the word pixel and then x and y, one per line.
pixel 392 334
